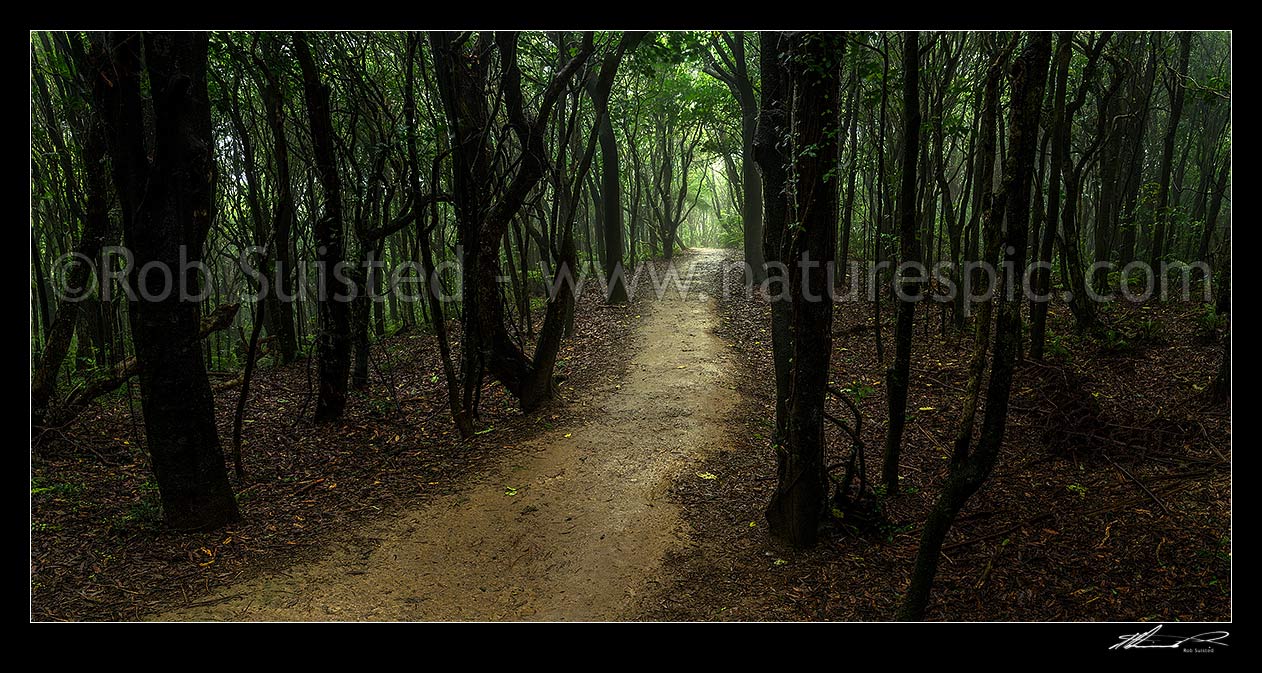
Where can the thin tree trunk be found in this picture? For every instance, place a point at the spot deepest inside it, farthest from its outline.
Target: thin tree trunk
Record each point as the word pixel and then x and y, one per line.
pixel 238 417
pixel 459 414
pixel 610 174
pixel 881 211
pixel 1042 275
pixel 281 313
pixel 1215 207
pixel 1161 215
pixel 334 339
pixel 968 471
pixel 847 217
pixel 1141 99
pixel 59 331
pixel 773 122
pixel 731 67
pixel 897 375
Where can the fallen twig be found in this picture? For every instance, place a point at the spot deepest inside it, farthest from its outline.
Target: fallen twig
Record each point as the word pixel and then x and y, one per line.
pixel 1139 483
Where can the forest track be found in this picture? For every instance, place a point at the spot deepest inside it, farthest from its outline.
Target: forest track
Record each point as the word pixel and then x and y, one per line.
pixel 574 527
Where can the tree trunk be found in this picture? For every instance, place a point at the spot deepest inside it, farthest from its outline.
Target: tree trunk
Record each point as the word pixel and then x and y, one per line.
pixel 481 223
pixel 800 501
pixel 1111 166
pixel 1043 274
pixel 1141 98
pixel 377 281
pixel 1161 216
pixel 281 312
pixel 847 217
pixel 968 471
pixel 1215 207
pixel 1079 303
pixel 334 341
pixel 896 377
pixel 238 416
pixel 989 203
pixel 58 333
pixel 610 175
pixel 166 187
pixel 882 211
pixel 773 121
pixel 1220 390
pixel 361 318
pixel 732 69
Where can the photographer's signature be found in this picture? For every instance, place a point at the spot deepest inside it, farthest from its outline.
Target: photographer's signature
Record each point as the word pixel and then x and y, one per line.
pixel 1202 642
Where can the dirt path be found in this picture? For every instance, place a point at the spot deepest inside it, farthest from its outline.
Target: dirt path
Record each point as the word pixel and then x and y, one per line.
pixel 585 531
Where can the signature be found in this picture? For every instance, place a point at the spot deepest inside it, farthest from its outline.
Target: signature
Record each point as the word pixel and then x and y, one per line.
pixel 1154 640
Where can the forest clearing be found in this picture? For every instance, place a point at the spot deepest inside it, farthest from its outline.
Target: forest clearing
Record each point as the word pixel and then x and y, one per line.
pixel 602 326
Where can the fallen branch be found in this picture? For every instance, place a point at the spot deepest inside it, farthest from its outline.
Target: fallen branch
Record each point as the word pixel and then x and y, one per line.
pixel 1140 484
pixel 227 385
pixel 218 320
pixel 1045 515
pixel 1017 526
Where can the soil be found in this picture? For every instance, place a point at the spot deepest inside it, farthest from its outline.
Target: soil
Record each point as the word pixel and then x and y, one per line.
pixel 98 548
pixel 638 494
pixel 1111 499
pixel 571 526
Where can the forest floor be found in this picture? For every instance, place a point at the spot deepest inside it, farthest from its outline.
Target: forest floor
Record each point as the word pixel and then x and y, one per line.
pixel 568 519
pixel 571 525
pixel 639 493
pixel 1111 500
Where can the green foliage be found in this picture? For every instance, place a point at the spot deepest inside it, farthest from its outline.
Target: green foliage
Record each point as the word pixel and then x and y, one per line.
pixel 57 490
pixel 1114 341
pixel 1147 204
pixel 1055 346
pixel 891 530
pixel 1139 329
pixel 732 231
pixel 1148 331
pixel 1136 282
pixel 859 391
pixel 380 406
pixel 144 514
pixel 1213 90
pixel 1210 321
pixel 890 240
